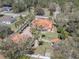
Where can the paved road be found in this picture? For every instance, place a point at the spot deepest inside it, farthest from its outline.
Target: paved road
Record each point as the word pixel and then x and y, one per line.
pixel 12 14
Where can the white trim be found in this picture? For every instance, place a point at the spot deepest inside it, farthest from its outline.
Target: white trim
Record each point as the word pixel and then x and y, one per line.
pixel 39 56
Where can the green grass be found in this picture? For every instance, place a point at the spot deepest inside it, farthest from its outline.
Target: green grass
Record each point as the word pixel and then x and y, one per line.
pixel 50 35
pixel 43 48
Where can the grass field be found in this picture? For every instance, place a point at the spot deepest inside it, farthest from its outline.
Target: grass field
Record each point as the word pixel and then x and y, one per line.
pixel 49 35
pixel 42 49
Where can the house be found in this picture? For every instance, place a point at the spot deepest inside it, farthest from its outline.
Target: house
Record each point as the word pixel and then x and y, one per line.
pixel 43 23
pixel 26 34
pixel 7 7
pixel 7 20
pixel 17 38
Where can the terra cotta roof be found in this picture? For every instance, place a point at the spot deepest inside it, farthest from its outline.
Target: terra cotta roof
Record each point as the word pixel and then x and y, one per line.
pixel 45 23
pixel 16 38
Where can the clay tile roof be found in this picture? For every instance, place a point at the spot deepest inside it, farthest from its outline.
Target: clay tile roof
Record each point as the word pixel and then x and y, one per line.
pixel 46 23
pixel 15 37
pixel 7 19
pixel 55 40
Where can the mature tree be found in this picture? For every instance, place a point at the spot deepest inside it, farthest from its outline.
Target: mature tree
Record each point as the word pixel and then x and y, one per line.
pixel 9 2
pixel 67 49
pixel 63 34
pixel 76 3
pixel 5 31
pixel 1 3
pixel 18 7
pixel 39 11
pixel 52 8
pixel 73 27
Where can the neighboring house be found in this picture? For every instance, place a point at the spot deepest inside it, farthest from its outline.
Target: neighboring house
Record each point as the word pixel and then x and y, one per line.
pixel 43 22
pixel 7 8
pixel 17 38
pixel 26 34
pixel 6 20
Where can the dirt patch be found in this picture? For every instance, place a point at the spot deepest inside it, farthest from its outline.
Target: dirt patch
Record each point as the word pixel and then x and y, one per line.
pixel 2 57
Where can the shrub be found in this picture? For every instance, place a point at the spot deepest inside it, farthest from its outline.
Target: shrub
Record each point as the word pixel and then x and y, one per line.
pixel 39 11
pixel 62 33
pixel 13 50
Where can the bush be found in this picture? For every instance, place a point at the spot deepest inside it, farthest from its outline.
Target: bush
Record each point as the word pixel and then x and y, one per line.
pixel 18 7
pixel 5 31
pixel 39 11
pixel 13 50
pixel 41 42
pixel 61 36
pixel 62 33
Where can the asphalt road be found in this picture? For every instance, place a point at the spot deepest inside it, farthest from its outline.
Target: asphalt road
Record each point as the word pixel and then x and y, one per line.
pixel 12 14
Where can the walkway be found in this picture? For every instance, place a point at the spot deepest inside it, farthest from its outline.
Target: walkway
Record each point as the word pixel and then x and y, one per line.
pixel 12 14
pixel 39 57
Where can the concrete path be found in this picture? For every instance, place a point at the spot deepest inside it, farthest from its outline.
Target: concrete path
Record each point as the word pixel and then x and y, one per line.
pixel 39 57
pixel 12 14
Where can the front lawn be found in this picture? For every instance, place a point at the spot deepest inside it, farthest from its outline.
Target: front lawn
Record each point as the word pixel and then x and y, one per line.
pixel 48 35
pixel 42 49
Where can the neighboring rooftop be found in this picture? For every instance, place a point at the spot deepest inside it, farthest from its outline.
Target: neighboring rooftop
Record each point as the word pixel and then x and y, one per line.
pixel 7 19
pixel 26 34
pixel 17 38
